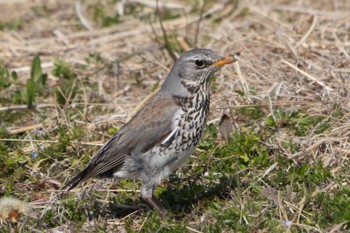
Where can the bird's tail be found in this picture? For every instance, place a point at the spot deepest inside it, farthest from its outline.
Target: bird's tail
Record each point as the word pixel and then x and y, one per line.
pixel 82 176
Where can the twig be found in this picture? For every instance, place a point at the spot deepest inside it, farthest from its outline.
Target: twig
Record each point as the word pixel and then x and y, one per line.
pixel 118 190
pixel 167 44
pixel 25 107
pixel 143 223
pixel 193 230
pixel 24 129
pixel 313 146
pixel 183 44
pixel 81 16
pixel 306 75
pixel 97 143
pixel 307 34
pixel 168 5
pixel 27 68
pixel 199 23
pixel 60 36
pixel 292 49
pixel 113 33
pixel 271 168
pixel 334 15
pixel 26 140
pixel 241 78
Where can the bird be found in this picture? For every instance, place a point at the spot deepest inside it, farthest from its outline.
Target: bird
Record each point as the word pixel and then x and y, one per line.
pixel 162 135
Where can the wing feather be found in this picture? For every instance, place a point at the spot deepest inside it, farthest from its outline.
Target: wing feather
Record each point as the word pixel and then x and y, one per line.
pixel 149 127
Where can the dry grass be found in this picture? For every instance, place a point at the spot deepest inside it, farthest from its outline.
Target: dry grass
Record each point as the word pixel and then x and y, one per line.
pixel 294 55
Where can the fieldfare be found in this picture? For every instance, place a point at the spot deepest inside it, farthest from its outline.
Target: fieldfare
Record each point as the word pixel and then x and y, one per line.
pixel 164 132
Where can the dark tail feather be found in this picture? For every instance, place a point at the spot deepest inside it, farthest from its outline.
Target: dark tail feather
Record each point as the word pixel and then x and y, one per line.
pixel 82 176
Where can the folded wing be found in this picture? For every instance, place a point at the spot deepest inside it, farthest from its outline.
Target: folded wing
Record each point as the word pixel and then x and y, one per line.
pixel 149 127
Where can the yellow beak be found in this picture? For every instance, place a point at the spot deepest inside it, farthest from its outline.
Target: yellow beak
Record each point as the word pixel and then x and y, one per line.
pixel 224 61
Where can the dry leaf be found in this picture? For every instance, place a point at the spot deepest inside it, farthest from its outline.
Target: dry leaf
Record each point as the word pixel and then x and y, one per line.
pixel 225 127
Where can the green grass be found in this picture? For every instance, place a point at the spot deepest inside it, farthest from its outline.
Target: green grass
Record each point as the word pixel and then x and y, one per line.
pixel 223 184
pixel 265 178
pixel 15 25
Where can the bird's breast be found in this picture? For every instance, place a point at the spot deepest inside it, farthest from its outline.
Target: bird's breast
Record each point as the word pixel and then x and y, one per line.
pixel 188 125
pixel 191 122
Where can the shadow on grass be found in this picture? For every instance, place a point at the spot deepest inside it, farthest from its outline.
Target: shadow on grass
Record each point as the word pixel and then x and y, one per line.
pixel 184 199
pixel 180 197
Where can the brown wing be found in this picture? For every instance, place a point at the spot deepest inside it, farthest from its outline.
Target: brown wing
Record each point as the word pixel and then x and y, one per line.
pixel 150 126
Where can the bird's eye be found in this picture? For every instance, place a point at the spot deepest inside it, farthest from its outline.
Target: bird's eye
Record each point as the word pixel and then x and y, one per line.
pixel 199 63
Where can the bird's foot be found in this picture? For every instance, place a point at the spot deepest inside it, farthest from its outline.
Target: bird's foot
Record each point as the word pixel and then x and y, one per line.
pixel 157 205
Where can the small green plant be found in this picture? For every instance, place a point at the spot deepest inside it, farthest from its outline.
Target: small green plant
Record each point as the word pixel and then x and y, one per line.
pixel 15 25
pixel 101 17
pixel 302 124
pixel 334 207
pixel 66 88
pixel 253 112
pixel 33 87
pixel 5 77
pixel 74 210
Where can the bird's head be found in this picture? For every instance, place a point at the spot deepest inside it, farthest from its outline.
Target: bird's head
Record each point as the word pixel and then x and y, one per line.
pixel 193 70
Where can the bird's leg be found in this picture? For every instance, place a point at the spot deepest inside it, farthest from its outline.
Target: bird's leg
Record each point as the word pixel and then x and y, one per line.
pixel 156 204
pixel 147 195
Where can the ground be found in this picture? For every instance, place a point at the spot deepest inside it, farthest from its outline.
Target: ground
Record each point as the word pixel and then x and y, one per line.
pixel 73 72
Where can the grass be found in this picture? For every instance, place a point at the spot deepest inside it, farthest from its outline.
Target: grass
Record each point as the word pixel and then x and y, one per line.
pixel 283 169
